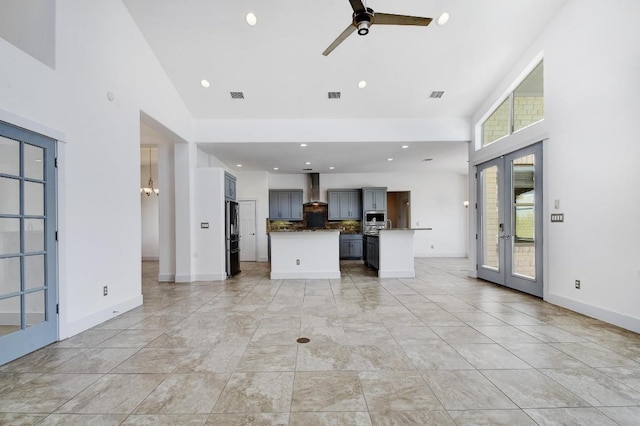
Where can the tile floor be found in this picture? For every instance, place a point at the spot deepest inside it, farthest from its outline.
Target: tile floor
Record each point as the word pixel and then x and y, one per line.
pixel 440 349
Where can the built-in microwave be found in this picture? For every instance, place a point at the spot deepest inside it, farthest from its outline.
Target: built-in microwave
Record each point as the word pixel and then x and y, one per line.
pixel 375 217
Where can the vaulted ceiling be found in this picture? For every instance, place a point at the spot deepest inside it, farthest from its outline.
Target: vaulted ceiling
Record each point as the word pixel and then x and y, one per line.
pixel 279 67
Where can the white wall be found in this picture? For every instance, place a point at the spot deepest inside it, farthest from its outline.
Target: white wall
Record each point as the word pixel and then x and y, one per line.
pixel 592 102
pixel 255 186
pixel 99 167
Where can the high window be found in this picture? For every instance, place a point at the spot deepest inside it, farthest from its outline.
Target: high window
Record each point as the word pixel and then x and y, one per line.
pixel 523 107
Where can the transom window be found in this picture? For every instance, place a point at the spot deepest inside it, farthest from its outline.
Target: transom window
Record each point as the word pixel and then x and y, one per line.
pixel 522 108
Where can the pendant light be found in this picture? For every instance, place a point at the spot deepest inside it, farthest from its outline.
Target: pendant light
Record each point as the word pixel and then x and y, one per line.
pixel 150 189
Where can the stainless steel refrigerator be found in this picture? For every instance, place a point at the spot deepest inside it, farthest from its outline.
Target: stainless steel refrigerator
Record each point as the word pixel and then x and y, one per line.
pixel 232 237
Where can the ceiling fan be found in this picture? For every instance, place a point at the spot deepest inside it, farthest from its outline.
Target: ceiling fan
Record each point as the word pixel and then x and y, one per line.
pixel 364 17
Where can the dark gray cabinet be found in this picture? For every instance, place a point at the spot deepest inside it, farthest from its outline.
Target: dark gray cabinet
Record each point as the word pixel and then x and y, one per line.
pixel 372 251
pixel 374 198
pixel 229 187
pixel 350 246
pixel 285 204
pixel 345 204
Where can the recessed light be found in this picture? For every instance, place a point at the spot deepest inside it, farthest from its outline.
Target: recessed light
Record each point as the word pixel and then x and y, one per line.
pixel 205 83
pixel 389 159
pixel 276 168
pixel 307 162
pixel 251 19
pixel 405 146
pixel 303 144
pixel 443 19
pixel 238 165
pixel 331 168
pixel 362 84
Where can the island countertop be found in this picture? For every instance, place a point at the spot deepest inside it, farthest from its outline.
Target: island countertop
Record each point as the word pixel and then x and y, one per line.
pixel 406 229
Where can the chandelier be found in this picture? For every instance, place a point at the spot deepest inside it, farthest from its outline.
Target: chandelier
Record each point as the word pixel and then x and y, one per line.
pixel 150 189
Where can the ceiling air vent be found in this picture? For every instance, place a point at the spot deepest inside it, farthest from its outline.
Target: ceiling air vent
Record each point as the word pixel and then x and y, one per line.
pixel 307 170
pixel 436 94
pixel 334 95
pixel 237 95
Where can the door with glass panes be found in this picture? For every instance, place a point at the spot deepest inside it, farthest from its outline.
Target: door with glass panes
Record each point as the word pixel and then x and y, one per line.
pixel 509 217
pixel 28 287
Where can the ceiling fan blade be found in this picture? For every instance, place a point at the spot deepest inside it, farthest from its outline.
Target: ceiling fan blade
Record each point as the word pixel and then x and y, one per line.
pixel 357 6
pixel 389 19
pixel 342 37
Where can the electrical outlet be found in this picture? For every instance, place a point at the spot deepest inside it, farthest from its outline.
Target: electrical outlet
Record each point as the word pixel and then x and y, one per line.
pixel 105 290
pixel 297 261
pixel 578 284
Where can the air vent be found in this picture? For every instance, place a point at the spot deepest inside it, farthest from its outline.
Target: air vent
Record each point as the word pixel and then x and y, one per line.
pixel 237 95
pixel 307 170
pixel 334 95
pixel 427 159
pixel 436 94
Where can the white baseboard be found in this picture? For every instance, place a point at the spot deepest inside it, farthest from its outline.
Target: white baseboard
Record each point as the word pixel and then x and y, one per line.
pixel 72 328
pixel 200 277
pixel 440 255
pixel 166 278
pixel 621 320
pixel 263 259
pixel 304 275
pixel 396 274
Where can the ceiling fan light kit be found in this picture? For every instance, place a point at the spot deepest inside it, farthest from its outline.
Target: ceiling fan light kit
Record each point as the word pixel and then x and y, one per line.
pixel 364 17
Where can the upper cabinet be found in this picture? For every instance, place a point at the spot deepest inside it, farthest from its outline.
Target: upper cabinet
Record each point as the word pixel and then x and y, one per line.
pixel 374 198
pixel 345 204
pixel 229 187
pixel 285 204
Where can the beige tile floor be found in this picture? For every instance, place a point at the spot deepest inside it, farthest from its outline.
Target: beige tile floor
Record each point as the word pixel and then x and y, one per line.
pixel 440 349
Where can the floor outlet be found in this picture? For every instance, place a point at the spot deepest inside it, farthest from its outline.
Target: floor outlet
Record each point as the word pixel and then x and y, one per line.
pixel 578 284
pixel 105 290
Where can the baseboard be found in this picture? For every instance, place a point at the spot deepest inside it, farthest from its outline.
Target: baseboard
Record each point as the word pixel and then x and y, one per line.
pixel 166 278
pixel 72 328
pixel 199 277
pixel 304 275
pixel 442 255
pixel 150 259
pixel 621 320
pixel 396 274
pixel 263 259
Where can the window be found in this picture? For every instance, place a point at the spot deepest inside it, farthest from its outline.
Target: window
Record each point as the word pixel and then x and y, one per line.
pixel 523 107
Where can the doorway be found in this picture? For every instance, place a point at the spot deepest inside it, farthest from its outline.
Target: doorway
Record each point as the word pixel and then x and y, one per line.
pixel 509 215
pixel 247 230
pixel 399 209
pixel 28 247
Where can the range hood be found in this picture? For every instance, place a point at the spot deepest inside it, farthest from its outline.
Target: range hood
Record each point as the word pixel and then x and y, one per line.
pixel 314 190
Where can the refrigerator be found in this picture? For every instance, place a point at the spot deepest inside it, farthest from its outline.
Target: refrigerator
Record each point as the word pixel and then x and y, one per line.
pixel 232 237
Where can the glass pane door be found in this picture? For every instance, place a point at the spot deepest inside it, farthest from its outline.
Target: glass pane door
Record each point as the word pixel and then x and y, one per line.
pixel 28 318
pixel 510 220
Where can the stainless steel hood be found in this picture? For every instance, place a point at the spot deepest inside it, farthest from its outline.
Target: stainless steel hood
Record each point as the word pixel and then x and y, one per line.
pixel 314 190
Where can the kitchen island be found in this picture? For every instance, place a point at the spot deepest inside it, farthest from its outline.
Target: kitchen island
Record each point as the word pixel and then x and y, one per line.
pixel 396 254
pixel 305 254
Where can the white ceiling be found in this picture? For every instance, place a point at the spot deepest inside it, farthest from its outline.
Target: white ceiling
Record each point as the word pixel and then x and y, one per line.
pixel 279 66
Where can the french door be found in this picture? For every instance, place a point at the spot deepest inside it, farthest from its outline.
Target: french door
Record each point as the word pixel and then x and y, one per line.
pixel 510 220
pixel 28 287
